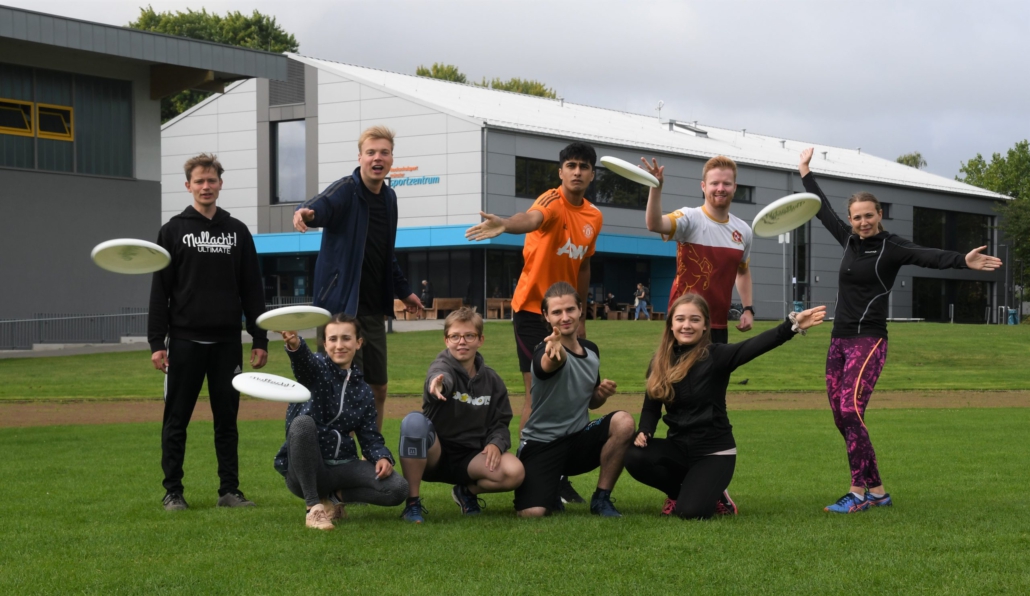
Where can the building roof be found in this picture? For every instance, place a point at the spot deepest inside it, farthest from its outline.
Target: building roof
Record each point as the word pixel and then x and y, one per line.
pixel 555 117
pixel 226 62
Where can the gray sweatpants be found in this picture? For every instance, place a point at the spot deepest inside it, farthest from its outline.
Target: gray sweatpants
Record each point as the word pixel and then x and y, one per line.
pixel 310 478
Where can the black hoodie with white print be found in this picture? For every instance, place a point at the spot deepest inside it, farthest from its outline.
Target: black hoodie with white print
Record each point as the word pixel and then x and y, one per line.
pixel 476 412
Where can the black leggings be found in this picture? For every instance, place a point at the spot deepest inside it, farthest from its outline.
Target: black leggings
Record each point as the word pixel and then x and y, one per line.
pixel 694 482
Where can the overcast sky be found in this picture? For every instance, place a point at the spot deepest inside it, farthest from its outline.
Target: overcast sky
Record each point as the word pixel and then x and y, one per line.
pixel 947 78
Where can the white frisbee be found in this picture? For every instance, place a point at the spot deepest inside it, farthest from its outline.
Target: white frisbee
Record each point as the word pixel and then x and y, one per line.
pixel 292 318
pixel 783 215
pixel 629 171
pixel 271 387
pixel 129 255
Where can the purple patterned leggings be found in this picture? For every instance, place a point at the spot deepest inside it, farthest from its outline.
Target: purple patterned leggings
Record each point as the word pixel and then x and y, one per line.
pixel 852 367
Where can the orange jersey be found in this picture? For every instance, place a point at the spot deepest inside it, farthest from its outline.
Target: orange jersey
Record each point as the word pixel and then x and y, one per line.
pixel 554 251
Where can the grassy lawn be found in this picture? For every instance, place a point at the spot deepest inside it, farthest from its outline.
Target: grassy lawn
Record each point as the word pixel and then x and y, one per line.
pixel 921 356
pixel 81 513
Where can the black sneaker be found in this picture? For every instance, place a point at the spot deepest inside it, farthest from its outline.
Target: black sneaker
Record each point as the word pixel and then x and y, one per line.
pixel 175 502
pixel 568 494
pixel 234 499
pixel 601 504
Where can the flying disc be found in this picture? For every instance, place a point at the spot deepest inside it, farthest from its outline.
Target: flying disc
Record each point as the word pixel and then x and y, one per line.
pixel 629 171
pixel 129 255
pixel 783 215
pixel 271 387
pixel 291 318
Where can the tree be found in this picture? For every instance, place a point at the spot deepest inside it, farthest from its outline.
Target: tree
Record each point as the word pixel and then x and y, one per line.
pixel 439 70
pixel 1010 176
pixel 912 160
pixel 450 72
pixel 255 31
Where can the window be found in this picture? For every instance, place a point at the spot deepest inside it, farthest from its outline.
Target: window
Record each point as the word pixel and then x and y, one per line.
pixel 290 170
pixel 534 177
pixel 16 117
pixel 744 194
pixel 55 122
pixel 950 230
pixel 611 189
pixel 886 209
pixel 939 299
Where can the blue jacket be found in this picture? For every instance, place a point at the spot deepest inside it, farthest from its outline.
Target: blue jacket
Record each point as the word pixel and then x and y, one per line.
pixel 341 402
pixel 342 212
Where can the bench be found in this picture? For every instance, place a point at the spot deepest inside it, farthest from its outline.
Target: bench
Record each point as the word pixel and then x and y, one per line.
pixel 495 308
pixel 444 305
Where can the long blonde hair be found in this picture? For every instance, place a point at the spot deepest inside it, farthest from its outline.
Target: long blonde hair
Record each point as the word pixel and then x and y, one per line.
pixel 663 373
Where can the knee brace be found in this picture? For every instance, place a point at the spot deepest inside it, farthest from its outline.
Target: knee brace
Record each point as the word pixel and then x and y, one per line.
pixel 417 436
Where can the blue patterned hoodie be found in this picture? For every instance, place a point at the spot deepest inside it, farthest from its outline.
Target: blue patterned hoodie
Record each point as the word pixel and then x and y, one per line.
pixel 341 402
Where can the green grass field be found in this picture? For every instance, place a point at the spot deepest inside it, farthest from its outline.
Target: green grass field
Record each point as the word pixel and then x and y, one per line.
pixel 921 356
pixel 81 513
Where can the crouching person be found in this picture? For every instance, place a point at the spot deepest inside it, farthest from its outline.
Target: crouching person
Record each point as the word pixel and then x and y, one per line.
pixel 461 437
pixel 319 459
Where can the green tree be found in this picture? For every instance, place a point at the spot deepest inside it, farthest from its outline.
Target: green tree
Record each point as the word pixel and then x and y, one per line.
pixel 517 85
pixel 912 160
pixel 439 70
pixel 1008 175
pixel 255 31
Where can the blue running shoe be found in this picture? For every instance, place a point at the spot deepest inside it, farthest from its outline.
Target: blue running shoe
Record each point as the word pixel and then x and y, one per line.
pixel 601 504
pixel 883 500
pixel 413 513
pixel 468 502
pixel 849 503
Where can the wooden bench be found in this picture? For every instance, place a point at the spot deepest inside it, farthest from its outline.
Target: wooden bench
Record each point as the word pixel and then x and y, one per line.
pixel 443 304
pixel 495 308
pixel 400 311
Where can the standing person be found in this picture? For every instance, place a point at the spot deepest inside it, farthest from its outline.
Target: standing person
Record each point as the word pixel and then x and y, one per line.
pixel 465 406
pixel 858 344
pixel 427 294
pixel 561 231
pixel 318 459
pixel 689 374
pixel 356 271
pixel 559 439
pixel 196 304
pixel 643 296
pixel 713 245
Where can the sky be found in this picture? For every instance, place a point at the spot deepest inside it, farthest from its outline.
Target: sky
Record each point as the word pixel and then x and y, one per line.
pixel 947 78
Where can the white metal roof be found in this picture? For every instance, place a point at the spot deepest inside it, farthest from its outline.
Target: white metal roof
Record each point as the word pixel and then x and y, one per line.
pixel 516 111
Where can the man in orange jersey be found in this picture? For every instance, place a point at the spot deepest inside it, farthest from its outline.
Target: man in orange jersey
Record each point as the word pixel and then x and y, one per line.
pixel 561 231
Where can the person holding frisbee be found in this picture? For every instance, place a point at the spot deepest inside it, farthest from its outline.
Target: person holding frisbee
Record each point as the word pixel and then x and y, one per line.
pixel 461 436
pixel 356 271
pixel 689 374
pixel 559 439
pixel 196 304
pixel 858 345
pixel 561 229
pixel 319 459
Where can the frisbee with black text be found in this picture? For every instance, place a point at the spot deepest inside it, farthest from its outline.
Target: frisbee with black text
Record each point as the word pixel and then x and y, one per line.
pixel 292 318
pixel 129 255
pixel 629 171
pixel 271 387
pixel 783 215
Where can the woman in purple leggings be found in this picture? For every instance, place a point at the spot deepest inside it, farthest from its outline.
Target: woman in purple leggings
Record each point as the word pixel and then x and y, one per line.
pixel 858 344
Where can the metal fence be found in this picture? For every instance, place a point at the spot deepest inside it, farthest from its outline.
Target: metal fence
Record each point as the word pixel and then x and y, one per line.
pixel 54 328
pixel 280 301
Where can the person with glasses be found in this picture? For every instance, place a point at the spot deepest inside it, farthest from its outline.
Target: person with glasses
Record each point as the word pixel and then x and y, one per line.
pixel 461 436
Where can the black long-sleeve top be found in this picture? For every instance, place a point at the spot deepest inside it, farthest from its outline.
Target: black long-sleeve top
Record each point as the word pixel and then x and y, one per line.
pixel 697 414
pixel 868 269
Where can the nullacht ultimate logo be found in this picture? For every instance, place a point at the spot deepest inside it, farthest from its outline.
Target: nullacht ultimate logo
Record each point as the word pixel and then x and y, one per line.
pixel 773 216
pixel 207 243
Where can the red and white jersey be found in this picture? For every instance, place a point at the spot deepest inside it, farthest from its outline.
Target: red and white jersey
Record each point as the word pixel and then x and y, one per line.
pixel 709 255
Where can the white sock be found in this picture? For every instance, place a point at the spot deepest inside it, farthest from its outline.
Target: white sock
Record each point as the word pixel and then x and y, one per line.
pixel 858 496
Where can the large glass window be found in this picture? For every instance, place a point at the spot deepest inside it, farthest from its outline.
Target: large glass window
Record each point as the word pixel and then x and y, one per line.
pixel 744 194
pixel 950 230
pixel 288 278
pixel 290 169
pixel 934 299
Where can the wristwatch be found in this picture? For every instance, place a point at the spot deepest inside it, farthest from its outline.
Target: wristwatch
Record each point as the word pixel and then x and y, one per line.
pixel 749 308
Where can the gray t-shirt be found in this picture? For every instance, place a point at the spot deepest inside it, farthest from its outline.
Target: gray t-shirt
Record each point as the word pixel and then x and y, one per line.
pixel 561 399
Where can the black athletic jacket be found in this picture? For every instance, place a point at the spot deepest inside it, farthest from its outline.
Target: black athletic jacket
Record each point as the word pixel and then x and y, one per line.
pixel 476 412
pixel 697 415
pixel 868 270
pixel 212 282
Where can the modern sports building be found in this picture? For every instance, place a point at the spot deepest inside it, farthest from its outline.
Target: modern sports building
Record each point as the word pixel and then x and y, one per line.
pixel 461 149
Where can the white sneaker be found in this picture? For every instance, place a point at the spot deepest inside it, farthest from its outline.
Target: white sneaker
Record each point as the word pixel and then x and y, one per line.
pixel 318 518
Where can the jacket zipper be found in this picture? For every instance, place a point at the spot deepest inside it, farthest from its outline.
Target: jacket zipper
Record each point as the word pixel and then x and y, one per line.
pixel 343 397
pixel 332 283
pixel 339 439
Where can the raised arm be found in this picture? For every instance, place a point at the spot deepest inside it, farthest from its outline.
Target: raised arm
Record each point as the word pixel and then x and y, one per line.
pixel 653 214
pixel 840 229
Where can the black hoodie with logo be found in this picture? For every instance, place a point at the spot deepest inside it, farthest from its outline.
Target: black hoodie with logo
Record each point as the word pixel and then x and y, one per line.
pixel 476 412
pixel 212 282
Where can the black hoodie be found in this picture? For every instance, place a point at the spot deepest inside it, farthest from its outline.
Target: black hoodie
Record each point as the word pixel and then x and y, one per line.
pixel 476 411
pixel 212 281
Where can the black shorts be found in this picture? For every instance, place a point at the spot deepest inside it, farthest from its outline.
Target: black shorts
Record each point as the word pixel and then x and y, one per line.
pixel 453 467
pixel 720 336
pixel 371 358
pixel 530 331
pixel 545 463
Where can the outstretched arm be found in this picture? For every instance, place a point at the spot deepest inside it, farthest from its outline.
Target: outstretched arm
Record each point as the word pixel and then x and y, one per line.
pixel 492 225
pixel 732 356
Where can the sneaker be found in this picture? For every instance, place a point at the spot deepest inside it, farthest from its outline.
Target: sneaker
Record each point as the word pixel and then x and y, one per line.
pixel 849 503
pixel 234 499
pixel 883 500
pixel 413 513
pixel 468 502
pixel 601 504
pixel 568 494
pixel 669 507
pixel 725 506
pixel 175 502
pixel 318 518
pixel 337 510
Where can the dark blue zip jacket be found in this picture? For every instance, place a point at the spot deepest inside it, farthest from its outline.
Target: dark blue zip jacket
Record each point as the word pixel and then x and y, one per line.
pixel 342 212
pixel 341 402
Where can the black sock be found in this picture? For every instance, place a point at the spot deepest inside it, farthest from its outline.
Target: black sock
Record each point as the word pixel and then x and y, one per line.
pixel 599 493
pixel 412 501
